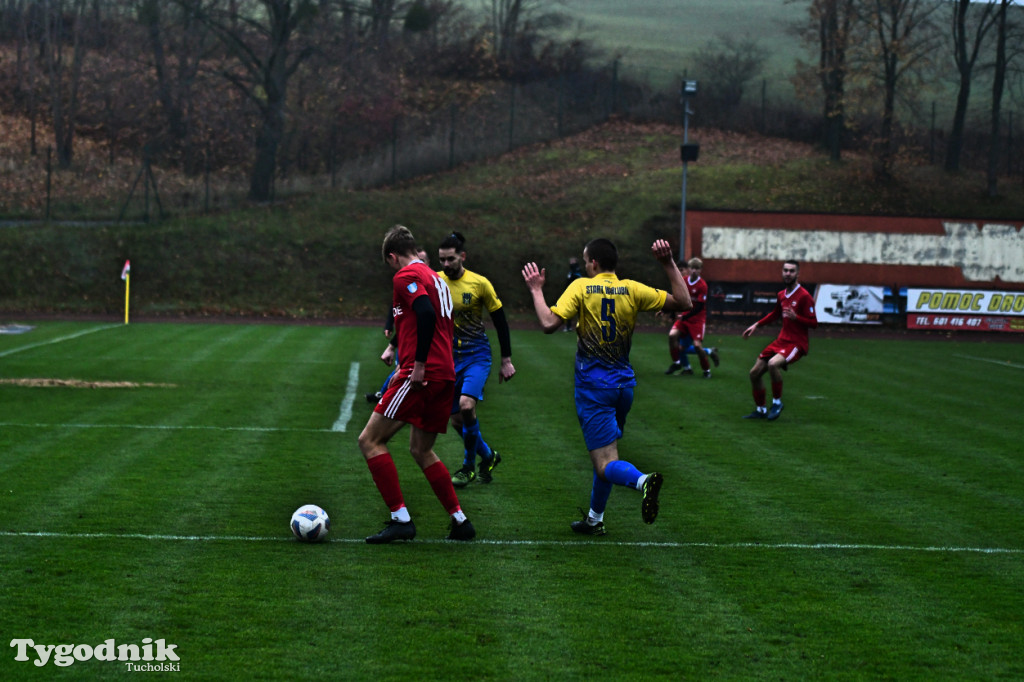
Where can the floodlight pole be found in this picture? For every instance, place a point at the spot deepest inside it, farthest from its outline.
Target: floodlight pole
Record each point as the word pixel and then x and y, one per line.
pixel 687 91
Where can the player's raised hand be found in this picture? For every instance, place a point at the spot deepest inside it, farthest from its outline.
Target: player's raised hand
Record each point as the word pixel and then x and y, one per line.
pixel 662 250
pixel 534 276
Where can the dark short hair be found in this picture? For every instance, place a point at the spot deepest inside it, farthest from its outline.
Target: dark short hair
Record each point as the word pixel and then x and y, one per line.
pixel 604 252
pixel 454 240
pixel 398 240
pixel 792 262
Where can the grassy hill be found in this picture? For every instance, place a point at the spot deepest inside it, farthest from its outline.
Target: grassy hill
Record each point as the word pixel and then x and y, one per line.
pixel 317 256
pixel 657 38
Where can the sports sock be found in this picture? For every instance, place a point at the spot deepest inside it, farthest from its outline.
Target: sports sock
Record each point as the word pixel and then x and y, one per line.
pixel 599 495
pixel 777 390
pixel 674 352
pixel 482 448
pixel 759 395
pixel 441 483
pixel 620 472
pixel 470 436
pixel 385 476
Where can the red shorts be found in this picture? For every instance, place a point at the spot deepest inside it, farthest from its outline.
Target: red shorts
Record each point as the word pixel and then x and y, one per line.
pixel 693 327
pixel 427 409
pixel 791 352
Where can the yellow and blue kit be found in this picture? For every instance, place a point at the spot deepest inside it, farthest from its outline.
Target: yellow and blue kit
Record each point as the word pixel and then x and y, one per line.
pixel 608 308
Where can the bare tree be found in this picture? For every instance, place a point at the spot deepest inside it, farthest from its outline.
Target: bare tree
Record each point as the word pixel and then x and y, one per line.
pixel 901 38
pixel 1003 57
pixel 515 23
pixel 968 34
pixel 177 45
pixel 63 68
pixel 834 19
pixel 259 44
pixel 727 64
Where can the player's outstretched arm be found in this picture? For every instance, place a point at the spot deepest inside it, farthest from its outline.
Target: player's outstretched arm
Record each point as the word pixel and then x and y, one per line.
pixel 679 296
pixel 534 278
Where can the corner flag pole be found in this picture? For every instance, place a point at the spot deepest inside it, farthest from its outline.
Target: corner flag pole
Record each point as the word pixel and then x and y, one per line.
pixel 127 277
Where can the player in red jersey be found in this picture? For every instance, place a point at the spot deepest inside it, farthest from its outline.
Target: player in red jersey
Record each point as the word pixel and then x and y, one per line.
pixel 687 332
pixel 421 392
pixel 795 306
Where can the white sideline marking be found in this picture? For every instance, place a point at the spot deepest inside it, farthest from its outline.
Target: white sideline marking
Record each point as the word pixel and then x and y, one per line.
pixel 532 543
pixel 12 351
pixel 341 423
pixel 1001 363
pixel 160 427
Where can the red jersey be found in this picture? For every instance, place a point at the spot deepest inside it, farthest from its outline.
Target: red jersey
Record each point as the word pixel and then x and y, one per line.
pixel 794 331
pixel 414 280
pixel 698 294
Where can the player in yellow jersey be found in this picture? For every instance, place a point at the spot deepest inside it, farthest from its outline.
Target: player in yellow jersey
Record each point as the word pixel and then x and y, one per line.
pixel 608 307
pixel 471 295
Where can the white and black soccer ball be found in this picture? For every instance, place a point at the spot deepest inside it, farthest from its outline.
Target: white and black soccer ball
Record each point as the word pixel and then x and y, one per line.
pixel 310 523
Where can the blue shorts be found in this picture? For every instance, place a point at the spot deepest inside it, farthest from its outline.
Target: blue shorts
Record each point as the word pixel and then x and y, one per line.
pixel 470 378
pixel 602 414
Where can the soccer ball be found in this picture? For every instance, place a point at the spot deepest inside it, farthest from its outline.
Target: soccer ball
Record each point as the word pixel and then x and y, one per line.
pixel 310 523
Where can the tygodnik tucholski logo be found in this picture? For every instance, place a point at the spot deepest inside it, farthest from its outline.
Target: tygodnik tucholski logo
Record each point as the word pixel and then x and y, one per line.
pixel 151 655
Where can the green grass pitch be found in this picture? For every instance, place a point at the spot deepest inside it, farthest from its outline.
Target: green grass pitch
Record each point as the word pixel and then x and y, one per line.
pixel 875 531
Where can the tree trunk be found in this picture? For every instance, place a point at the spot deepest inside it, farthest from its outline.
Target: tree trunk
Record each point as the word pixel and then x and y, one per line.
pixel 998 84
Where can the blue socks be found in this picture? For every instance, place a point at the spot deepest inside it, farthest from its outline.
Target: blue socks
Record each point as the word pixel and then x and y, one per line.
pixel 622 473
pixel 474 442
pixel 616 473
pixel 599 494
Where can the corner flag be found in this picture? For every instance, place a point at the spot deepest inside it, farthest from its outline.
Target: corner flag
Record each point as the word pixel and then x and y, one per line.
pixel 126 276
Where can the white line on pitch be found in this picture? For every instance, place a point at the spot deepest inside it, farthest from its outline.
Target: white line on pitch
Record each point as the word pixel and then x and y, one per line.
pixel 817 546
pixel 161 427
pixel 1001 363
pixel 341 423
pixel 12 351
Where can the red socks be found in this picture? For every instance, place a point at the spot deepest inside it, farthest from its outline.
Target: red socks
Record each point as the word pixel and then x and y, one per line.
pixel 441 482
pixel 385 476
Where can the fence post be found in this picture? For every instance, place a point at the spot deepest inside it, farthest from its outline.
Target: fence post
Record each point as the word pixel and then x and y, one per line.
pixel 1009 143
pixel 206 180
pixel 511 116
pixel 931 138
pixel 451 138
pixel 615 88
pixel 49 176
pixel 561 104
pixel 394 150
pixel 330 154
pixel 764 106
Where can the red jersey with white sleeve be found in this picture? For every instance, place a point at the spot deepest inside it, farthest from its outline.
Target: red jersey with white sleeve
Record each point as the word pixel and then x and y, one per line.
pixel 794 330
pixel 414 280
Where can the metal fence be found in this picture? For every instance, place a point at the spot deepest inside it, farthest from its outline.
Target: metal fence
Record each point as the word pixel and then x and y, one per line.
pixel 509 116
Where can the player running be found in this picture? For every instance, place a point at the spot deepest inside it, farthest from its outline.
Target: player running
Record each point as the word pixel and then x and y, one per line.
pixel 687 332
pixel 795 306
pixel 471 293
pixel 607 307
